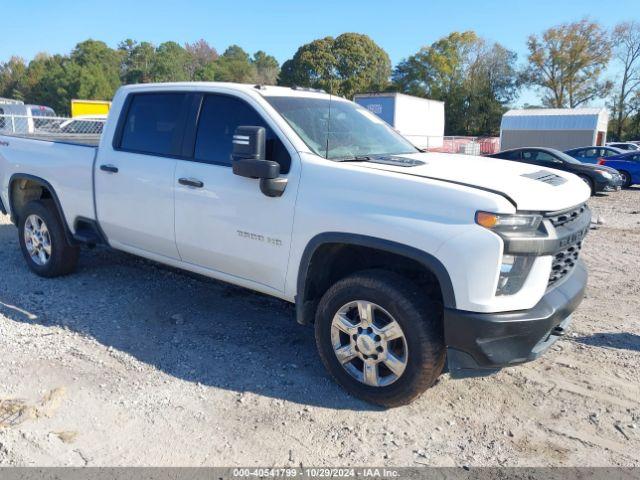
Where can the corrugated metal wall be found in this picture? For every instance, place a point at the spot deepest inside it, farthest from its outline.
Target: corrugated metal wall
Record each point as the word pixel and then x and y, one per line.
pixel 560 139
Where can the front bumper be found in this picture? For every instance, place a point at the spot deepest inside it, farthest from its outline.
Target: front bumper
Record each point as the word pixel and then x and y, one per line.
pixel 612 185
pixel 480 343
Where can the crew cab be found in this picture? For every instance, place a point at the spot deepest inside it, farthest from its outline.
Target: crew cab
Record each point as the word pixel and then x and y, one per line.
pixel 401 260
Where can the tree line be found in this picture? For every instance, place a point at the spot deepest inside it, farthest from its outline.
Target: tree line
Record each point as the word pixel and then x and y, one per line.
pixel 477 79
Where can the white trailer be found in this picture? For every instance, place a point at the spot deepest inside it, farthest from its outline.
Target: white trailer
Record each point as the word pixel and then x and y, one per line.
pixel 419 120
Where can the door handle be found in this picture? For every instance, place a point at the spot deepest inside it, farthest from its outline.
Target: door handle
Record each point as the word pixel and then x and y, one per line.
pixel 191 182
pixel 109 168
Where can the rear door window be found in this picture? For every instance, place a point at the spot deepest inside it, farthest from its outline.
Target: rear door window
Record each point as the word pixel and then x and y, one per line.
pixel 219 117
pixel 540 158
pixel 546 158
pixel 154 124
pixel 591 152
pixel 577 153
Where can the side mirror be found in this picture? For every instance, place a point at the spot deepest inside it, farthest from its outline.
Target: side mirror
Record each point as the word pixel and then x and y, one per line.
pixel 248 160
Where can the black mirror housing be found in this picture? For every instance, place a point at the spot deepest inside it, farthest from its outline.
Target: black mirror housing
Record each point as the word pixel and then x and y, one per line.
pixel 248 156
pixel 249 142
pixel 251 168
pixel 248 160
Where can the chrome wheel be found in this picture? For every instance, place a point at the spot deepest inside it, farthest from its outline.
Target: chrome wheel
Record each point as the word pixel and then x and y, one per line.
pixel 37 240
pixel 369 343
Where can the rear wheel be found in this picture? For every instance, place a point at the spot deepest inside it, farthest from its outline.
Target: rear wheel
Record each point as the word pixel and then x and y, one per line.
pixel 43 242
pixel 380 338
pixel 589 183
pixel 626 179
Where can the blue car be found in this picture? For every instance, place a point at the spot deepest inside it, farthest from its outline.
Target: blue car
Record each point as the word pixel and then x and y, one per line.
pixel 593 154
pixel 628 164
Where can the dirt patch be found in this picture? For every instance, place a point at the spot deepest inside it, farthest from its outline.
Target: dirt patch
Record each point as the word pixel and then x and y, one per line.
pixel 14 412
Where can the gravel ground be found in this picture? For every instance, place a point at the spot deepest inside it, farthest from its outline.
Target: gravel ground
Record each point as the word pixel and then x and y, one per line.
pixel 130 363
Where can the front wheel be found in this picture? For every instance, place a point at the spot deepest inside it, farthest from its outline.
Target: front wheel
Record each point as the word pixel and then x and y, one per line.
pixel 43 242
pixel 626 179
pixel 380 337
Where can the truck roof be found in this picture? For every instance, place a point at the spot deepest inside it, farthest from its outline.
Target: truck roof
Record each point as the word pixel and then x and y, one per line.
pixel 252 89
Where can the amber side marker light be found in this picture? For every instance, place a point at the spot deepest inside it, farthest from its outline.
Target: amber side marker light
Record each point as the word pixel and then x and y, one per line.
pixel 506 222
pixel 487 220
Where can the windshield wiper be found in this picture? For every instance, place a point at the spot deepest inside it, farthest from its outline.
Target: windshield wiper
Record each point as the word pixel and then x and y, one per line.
pixel 355 158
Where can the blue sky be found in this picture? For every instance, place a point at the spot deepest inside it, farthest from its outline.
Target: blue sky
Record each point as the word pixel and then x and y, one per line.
pixel 279 27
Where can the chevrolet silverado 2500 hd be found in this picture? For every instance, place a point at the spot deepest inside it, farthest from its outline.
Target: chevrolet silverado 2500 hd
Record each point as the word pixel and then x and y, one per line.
pixel 400 259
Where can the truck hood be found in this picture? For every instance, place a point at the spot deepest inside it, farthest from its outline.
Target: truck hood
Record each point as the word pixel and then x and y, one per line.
pixel 529 187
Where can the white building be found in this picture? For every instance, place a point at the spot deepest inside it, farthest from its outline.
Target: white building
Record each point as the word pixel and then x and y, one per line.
pixel 560 128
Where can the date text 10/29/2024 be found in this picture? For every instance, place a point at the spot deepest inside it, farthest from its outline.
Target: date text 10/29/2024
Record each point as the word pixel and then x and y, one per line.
pixel 309 472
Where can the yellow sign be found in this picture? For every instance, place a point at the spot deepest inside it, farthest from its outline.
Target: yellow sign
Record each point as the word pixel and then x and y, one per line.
pixel 89 107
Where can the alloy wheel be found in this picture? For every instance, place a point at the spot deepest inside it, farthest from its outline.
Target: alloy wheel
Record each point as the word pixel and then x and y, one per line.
pixel 37 240
pixel 369 343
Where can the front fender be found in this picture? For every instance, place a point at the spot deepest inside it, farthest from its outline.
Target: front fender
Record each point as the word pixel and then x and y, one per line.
pixel 427 260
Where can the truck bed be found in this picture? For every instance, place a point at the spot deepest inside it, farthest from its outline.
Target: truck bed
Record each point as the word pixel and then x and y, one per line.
pixel 65 162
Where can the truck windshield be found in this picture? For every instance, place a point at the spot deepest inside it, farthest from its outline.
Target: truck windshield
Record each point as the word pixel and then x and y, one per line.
pixel 340 130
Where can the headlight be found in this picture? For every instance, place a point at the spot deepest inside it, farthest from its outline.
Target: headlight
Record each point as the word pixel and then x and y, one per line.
pixel 500 222
pixel 513 273
pixel 514 269
pixel 605 174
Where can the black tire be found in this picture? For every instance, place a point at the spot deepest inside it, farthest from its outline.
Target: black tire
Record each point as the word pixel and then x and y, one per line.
pixel 64 257
pixel 419 317
pixel 627 179
pixel 589 182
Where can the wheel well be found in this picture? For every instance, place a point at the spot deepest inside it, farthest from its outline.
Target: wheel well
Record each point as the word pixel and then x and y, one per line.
pixel 332 262
pixel 24 190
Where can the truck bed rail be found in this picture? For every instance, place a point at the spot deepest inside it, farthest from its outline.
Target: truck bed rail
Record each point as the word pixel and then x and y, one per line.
pixel 78 130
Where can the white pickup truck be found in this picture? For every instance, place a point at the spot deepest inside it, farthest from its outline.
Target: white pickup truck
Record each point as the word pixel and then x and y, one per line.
pixel 401 259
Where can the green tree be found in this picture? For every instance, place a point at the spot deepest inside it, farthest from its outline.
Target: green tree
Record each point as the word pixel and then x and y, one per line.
pixel 55 82
pixel 490 85
pixel 346 65
pixel 98 75
pixel 439 72
pixel 170 63
pixel 476 80
pixel 13 79
pixel 137 61
pixel 234 65
pixel 566 63
pixel 313 65
pixel 632 126
pixel 626 48
pixel 267 68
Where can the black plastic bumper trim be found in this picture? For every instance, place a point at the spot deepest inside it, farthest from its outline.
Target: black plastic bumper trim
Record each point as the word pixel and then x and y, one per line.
pixel 477 341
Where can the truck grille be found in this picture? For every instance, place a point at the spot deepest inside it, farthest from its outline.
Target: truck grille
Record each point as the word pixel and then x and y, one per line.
pixel 560 218
pixel 566 259
pixel 563 262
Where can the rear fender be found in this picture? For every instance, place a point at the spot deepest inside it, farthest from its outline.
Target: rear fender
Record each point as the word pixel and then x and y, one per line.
pixel 16 177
